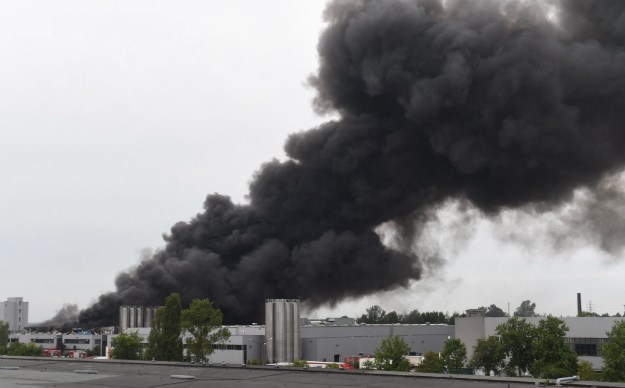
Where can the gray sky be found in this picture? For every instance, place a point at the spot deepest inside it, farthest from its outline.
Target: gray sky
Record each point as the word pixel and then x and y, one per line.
pixel 118 117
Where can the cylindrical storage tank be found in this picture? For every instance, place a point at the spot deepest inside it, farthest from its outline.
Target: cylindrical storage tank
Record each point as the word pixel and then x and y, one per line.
pixel 280 331
pixel 123 318
pixel 140 311
pixel 149 315
pixel 132 312
pixel 269 335
pixel 296 336
pixel 288 324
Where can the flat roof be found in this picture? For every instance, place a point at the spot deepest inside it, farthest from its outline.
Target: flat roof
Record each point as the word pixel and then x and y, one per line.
pixel 45 372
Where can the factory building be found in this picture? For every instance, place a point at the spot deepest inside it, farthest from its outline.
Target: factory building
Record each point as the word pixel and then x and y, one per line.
pixel 333 343
pixel 585 335
pixel 319 340
pixel 14 311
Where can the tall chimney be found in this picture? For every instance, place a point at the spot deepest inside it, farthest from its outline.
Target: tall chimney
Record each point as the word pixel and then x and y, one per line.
pixel 579 304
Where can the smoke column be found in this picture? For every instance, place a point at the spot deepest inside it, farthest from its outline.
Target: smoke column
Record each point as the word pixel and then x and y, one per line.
pixel 502 104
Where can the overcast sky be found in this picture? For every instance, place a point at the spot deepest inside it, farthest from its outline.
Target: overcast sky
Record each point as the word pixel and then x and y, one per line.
pixel 119 117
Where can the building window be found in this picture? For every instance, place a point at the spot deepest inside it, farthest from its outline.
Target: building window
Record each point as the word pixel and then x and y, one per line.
pixel 227 347
pixel 42 340
pixel 586 346
pixel 78 341
pixel 586 349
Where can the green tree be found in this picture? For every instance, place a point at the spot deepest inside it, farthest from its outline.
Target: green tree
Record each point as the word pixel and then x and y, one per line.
pixel 21 349
pixel 613 353
pixel 391 317
pixel 489 355
pixel 434 317
pixel 126 346
pixel 412 317
pixel 526 309
pixel 164 342
pixel 551 357
pixel 585 371
pixel 493 311
pixel 454 354
pixel 390 354
pixel 431 363
pixel 516 340
pixel 375 314
pixel 587 314
pixel 95 352
pixel 451 320
pixel 203 322
pixel 4 337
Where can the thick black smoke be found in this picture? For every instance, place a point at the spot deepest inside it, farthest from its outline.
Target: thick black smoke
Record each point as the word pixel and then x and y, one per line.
pixel 499 103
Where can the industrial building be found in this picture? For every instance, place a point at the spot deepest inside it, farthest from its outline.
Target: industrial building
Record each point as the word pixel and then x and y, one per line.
pixel 248 343
pixel 585 335
pixel 333 343
pixel 284 338
pixel 14 311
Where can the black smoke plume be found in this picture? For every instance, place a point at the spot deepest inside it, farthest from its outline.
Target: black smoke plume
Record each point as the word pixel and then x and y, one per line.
pixel 65 318
pixel 502 104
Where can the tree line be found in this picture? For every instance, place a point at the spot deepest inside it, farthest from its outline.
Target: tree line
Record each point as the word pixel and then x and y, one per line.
pixel 376 314
pixel 521 347
pixel 517 348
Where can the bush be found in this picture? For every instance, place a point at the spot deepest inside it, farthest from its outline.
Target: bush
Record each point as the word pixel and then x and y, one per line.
pixel 126 346
pixel 586 371
pixel 431 363
pixel 21 349
pixel 367 364
pixel 95 352
pixel 332 365
pixel 299 363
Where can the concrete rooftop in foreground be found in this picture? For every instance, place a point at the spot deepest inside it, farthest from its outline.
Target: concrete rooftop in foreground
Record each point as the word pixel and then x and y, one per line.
pixel 51 372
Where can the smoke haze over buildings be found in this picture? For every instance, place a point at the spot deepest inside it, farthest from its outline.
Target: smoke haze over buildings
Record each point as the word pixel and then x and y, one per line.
pixel 502 104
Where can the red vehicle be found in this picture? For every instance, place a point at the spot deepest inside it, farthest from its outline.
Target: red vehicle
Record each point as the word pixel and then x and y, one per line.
pixel 51 353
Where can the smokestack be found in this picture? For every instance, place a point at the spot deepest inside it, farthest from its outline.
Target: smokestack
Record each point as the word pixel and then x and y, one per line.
pixel 490 102
pixel 579 304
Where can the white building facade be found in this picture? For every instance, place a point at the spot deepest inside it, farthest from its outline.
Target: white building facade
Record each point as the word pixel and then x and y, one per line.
pixel 586 335
pixel 14 311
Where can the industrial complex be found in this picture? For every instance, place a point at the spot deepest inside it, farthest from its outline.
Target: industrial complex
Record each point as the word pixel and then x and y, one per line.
pixel 286 336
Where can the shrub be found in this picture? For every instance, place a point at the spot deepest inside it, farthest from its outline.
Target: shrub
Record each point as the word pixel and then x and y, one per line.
pixel 586 371
pixel 299 363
